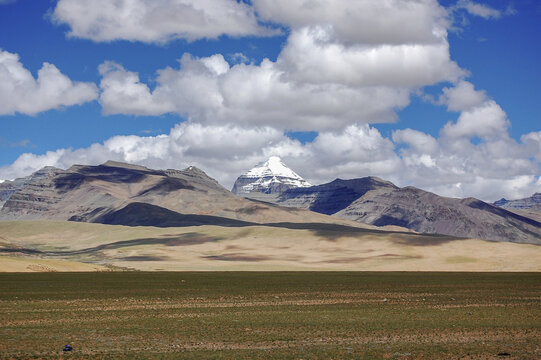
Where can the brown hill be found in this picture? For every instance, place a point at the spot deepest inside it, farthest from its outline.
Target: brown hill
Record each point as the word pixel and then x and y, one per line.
pixel 103 193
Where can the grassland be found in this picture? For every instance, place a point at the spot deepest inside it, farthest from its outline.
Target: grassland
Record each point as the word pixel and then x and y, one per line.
pixel 276 315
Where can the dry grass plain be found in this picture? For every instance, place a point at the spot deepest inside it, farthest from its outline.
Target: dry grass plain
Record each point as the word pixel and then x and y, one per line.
pixel 270 315
pixel 72 246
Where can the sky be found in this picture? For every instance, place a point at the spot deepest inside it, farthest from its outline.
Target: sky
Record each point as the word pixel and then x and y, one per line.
pixel 444 96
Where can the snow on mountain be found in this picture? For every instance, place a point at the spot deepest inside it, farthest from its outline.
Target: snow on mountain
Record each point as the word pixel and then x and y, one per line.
pixel 269 177
pixel 272 167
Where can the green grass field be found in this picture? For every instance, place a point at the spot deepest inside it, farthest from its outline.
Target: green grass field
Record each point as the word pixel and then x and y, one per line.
pixel 276 315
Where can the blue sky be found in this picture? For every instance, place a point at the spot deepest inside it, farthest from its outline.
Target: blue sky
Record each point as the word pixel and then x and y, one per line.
pixel 481 139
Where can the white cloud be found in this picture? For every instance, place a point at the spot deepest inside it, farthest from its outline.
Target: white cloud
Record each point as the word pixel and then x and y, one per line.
pixel 357 151
pixel 122 92
pixel 533 142
pixel 462 96
pixel 346 64
pixel 20 92
pixel 478 9
pixel 238 57
pixel 206 90
pixel 485 121
pixel 314 85
pixel 329 75
pixel 362 21
pixel 489 170
pixel 356 142
pixel 208 147
pixel 157 20
pixel 312 56
pixel 421 142
pixel 495 166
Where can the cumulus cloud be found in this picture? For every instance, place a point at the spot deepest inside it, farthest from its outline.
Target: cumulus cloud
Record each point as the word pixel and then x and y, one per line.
pixel 488 170
pixel 474 156
pixel 158 20
pixel 456 167
pixel 533 142
pixel 122 92
pixel 325 78
pixel 207 90
pixel 345 65
pixel 485 121
pixel 21 93
pixel 362 21
pixel 462 96
pixel 358 150
pixel 312 56
pixel 418 140
pixel 208 147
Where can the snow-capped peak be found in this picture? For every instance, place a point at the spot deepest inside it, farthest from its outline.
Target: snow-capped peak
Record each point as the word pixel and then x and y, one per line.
pixel 272 167
pixel 268 177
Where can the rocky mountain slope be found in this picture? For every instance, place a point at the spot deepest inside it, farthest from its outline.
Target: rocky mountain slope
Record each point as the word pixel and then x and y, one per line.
pixel 8 188
pixel 267 180
pixel 373 201
pixel 529 207
pixel 331 197
pixel 531 203
pixel 116 193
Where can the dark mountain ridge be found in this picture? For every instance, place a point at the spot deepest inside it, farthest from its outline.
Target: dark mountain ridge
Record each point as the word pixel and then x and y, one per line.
pixel 377 202
pixel 332 197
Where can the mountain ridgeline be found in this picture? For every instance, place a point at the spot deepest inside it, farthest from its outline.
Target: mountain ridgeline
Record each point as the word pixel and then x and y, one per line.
pixel 123 194
pixel 529 207
pixel 531 203
pixel 374 201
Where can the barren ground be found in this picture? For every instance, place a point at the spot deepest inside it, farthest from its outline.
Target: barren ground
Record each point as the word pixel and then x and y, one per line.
pixel 71 246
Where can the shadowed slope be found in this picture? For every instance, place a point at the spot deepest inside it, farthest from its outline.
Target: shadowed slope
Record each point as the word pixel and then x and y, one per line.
pixel 377 202
pixel 142 214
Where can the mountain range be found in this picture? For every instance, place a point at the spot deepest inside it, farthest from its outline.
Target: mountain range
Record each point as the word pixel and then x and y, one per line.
pixel 374 201
pixel 122 216
pixel 124 194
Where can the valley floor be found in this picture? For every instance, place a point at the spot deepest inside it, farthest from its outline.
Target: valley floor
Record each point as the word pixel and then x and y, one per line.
pixel 30 246
pixel 270 315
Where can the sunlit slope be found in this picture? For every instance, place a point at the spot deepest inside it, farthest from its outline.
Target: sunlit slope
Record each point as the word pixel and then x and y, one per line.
pixel 90 193
pixel 306 247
